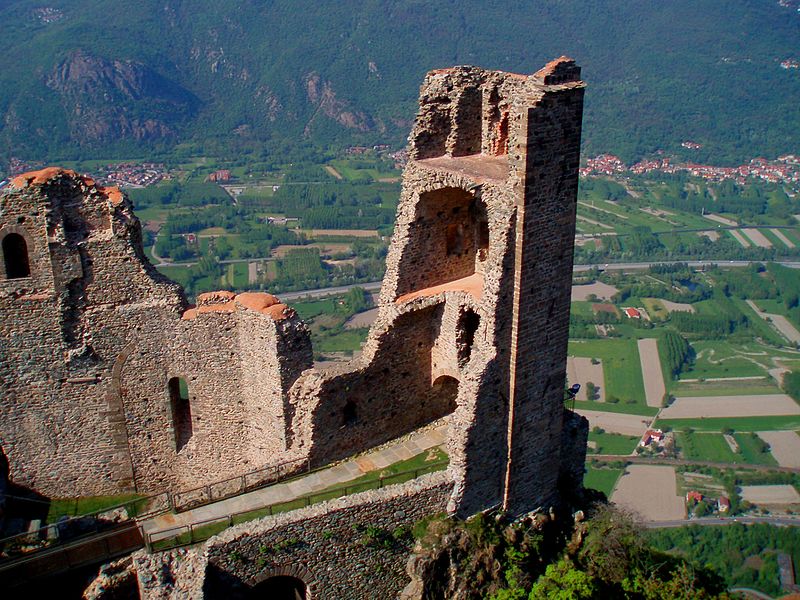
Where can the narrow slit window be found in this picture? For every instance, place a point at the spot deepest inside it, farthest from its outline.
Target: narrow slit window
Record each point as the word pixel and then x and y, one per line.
pixel 349 414
pixel 181 412
pixel 468 327
pixel 15 256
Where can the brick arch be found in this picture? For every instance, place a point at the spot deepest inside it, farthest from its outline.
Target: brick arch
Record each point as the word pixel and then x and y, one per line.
pixel 297 571
pixel 445 371
pixel 30 247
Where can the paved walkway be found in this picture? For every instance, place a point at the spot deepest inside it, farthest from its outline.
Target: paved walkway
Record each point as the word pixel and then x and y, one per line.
pixel 388 454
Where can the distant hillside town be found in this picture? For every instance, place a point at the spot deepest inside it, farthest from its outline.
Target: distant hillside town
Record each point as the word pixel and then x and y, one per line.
pixel 784 169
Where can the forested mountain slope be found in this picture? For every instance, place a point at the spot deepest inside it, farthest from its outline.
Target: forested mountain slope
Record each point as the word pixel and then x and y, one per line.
pixel 97 77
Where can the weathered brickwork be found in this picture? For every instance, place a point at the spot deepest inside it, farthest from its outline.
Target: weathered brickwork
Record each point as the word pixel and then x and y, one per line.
pixel 472 323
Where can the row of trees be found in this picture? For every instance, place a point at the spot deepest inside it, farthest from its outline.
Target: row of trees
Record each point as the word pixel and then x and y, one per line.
pixel 677 353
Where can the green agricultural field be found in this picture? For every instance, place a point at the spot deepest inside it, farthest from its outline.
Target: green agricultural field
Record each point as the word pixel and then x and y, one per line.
pixel 705 446
pixel 743 387
pixel 735 423
pixel 621 367
pixel 613 443
pixel 772 306
pixel 582 308
pixel 350 172
pixel 179 274
pixel 721 359
pixel 235 276
pixel 759 326
pixel 154 213
pixel 601 478
pixel 628 409
pixel 308 309
pixel 750 446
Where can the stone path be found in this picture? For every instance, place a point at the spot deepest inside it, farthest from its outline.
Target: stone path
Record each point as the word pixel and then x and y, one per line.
pixel 163 526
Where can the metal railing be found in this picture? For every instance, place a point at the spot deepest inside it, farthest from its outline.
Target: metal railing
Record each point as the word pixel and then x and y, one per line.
pixel 81 527
pixel 234 486
pixel 122 539
pixel 193 533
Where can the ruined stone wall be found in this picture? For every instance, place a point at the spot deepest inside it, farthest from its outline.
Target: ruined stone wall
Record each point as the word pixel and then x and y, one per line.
pixel 327 545
pixel 92 338
pixel 390 395
pixel 445 239
pixel 472 323
pixel 57 331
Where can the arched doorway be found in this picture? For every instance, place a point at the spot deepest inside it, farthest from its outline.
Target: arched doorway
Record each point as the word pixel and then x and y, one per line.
pixel 15 256
pixel 280 587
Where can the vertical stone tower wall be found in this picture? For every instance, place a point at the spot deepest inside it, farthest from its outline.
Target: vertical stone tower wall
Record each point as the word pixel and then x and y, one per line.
pixel 474 309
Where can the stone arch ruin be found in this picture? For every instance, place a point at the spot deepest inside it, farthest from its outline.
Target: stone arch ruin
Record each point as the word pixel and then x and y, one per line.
pixel 472 324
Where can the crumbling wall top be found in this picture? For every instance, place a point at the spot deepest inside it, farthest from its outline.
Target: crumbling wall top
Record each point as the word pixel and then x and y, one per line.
pixel 561 70
pixel 42 176
pixel 223 301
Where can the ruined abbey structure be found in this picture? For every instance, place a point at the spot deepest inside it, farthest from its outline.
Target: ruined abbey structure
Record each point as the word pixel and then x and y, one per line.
pixel 110 381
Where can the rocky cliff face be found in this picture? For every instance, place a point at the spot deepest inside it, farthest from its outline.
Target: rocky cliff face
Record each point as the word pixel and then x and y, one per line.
pixel 106 99
pixel 320 95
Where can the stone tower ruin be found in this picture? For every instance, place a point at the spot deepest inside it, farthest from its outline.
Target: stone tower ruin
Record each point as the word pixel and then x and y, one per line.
pixel 110 381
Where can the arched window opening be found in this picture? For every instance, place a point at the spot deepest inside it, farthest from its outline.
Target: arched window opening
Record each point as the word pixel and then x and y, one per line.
pixel 181 411
pixel 467 328
pixel 15 256
pixel 282 587
pixel 349 414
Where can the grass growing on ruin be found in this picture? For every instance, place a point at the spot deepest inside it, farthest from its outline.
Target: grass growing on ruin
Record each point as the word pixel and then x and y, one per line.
pixel 73 507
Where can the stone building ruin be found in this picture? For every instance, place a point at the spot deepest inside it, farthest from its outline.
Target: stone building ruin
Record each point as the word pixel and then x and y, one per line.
pixel 110 381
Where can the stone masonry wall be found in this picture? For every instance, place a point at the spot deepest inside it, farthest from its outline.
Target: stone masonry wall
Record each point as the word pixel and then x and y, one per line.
pixel 472 323
pixel 92 337
pixel 327 546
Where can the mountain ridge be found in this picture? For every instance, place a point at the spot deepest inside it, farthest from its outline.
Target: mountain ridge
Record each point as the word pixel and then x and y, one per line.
pixel 658 74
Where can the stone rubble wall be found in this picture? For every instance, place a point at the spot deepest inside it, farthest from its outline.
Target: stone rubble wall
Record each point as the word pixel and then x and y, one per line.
pixel 91 338
pixel 327 545
pixel 487 210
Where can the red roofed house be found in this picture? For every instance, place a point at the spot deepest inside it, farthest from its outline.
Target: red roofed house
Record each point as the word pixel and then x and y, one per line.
pixel 696 496
pixel 723 504
pixel 652 435
pixel 632 313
